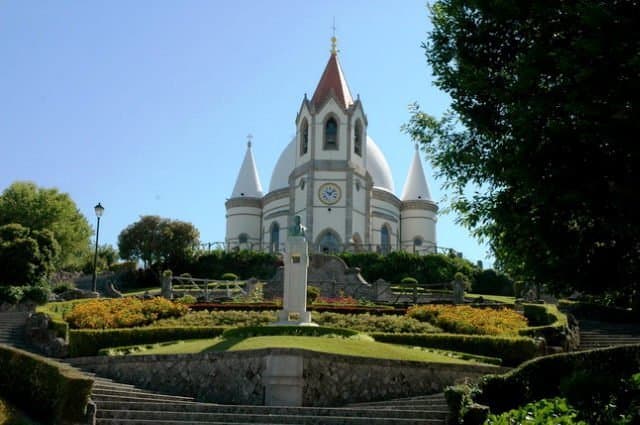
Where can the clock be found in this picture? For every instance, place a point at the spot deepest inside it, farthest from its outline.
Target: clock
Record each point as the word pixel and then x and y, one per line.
pixel 329 193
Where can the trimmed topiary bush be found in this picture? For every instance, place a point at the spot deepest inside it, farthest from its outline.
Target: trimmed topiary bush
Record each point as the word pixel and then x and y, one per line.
pixel 312 294
pixel 409 281
pixel 229 276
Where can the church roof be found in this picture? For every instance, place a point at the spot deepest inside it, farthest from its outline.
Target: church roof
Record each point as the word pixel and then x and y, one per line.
pixel 416 185
pixel 248 182
pixel 332 83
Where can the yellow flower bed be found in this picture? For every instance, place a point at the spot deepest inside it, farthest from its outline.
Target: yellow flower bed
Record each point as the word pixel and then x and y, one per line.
pixel 470 320
pixel 122 313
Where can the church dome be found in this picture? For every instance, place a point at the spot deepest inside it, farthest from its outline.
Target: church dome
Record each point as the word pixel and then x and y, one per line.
pixel 377 166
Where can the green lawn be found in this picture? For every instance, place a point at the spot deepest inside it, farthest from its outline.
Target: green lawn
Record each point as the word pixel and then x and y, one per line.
pixel 496 298
pixel 349 347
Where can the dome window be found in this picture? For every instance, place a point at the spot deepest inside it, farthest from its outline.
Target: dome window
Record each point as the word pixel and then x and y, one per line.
pixel 385 239
pixel 357 139
pixel 275 237
pixel 331 134
pixel 243 238
pixel 304 137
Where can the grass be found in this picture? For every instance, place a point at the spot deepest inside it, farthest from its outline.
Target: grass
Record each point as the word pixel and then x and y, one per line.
pixel 349 347
pixel 497 298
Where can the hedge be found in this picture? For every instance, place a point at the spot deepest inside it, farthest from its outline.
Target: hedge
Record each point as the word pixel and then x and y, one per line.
pixel 333 308
pixel 551 323
pixel 540 378
pixel 251 331
pixel 512 350
pixel 593 311
pixel 51 392
pixel 88 342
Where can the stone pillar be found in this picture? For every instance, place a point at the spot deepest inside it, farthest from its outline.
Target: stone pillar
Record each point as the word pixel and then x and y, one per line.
pixel 167 290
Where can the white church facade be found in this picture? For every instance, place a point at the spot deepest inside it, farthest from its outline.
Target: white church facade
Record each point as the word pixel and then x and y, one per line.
pixel 335 177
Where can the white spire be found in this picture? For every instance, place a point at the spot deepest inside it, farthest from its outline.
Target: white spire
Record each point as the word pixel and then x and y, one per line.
pixel 416 186
pixel 248 182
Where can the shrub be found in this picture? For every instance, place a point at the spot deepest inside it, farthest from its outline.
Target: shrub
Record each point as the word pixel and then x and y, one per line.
pixel 61 287
pixel 11 294
pixel 312 294
pixel 84 342
pixel 470 320
pixel 512 350
pixel 360 322
pixel 122 312
pixel 49 391
pixel 38 294
pixel 540 378
pixel 251 331
pixel 546 411
pixel 341 300
pixel 186 299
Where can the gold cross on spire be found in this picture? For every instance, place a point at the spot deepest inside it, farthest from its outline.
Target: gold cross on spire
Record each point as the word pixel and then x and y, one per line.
pixel 334 40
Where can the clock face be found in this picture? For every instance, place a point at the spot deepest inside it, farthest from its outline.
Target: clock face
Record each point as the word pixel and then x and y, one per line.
pixel 329 193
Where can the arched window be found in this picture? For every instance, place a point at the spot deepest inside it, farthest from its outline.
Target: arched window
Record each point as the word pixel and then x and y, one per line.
pixel 329 242
pixel 275 237
pixel 243 238
pixel 331 134
pixel 304 137
pixel 357 139
pixel 385 240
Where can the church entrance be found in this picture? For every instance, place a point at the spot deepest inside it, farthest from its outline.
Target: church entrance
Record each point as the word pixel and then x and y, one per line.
pixel 329 243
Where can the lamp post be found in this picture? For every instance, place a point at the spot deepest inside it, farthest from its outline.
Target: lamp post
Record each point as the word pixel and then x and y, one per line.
pixel 99 209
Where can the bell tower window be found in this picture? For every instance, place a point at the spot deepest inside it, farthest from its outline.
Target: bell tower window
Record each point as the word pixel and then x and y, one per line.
pixel 357 139
pixel 331 134
pixel 304 137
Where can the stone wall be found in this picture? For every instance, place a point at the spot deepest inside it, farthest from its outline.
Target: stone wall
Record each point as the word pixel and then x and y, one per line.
pixel 252 377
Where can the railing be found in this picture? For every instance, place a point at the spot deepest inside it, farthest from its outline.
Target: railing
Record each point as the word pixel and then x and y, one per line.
pixel 339 248
pixel 207 288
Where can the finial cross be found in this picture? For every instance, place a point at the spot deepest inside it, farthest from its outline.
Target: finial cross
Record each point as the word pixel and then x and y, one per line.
pixel 249 138
pixel 334 40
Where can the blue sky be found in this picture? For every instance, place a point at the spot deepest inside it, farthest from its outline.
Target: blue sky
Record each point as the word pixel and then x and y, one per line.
pixel 145 105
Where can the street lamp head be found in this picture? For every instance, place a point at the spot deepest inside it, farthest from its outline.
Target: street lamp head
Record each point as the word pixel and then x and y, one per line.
pixel 99 209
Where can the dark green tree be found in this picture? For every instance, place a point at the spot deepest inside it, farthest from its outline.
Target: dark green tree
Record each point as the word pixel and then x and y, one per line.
pixel 158 241
pixel 540 145
pixel 40 209
pixel 26 257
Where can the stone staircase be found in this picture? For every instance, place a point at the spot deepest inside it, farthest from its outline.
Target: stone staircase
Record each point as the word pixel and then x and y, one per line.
pixel 12 329
pixel 125 404
pixel 601 334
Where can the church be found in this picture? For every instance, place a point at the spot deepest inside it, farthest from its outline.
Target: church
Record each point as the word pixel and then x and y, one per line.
pixel 337 180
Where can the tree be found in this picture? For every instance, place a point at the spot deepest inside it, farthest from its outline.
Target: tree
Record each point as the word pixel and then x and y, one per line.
pixel 40 209
pixel 543 125
pixel 26 257
pixel 156 240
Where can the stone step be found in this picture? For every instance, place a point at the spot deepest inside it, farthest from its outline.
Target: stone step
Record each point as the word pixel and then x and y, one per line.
pixel 195 407
pixel 130 392
pixel 147 397
pixel 175 417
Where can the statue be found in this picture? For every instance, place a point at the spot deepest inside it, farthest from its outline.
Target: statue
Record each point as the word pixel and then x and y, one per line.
pixel 297 229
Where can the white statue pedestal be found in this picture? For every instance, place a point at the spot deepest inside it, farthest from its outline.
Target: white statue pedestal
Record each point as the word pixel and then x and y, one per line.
pixel 294 304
